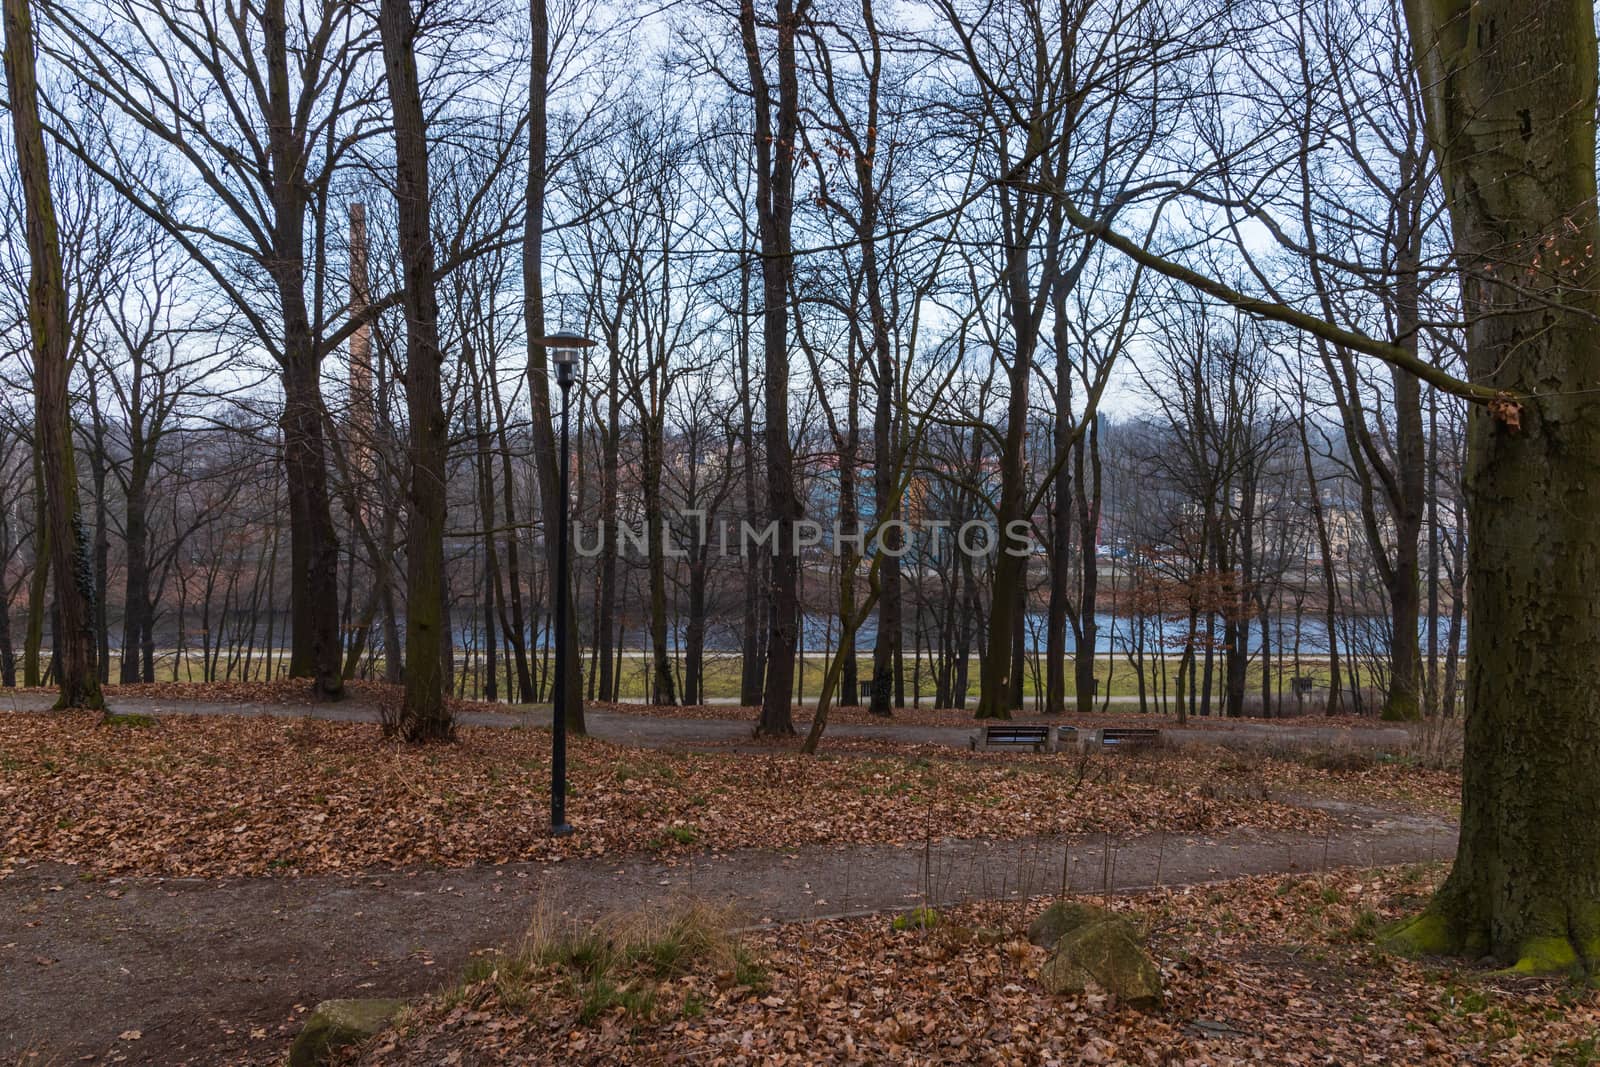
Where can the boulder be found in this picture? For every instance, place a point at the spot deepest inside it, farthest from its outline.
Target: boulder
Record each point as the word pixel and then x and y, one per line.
pixel 1063 917
pixel 1104 957
pixel 337 1023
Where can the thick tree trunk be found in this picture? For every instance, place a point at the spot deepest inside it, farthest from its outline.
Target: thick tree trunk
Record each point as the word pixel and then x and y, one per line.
pixel 775 156
pixel 1511 87
pixel 75 667
pixel 424 715
pixel 1007 588
pixel 544 431
pixel 314 543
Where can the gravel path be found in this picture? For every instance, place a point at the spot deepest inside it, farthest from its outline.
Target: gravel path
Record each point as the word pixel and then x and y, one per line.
pixel 661 731
pixel 218 971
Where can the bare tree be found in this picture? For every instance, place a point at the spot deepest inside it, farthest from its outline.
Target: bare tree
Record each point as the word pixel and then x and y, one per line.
pixel 77 673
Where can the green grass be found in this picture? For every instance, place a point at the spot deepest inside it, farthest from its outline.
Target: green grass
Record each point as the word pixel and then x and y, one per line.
pixel 624 965
pixel 722 674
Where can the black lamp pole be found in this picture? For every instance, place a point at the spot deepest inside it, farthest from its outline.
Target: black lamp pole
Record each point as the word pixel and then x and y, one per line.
pixel 564 353
pixel 558 745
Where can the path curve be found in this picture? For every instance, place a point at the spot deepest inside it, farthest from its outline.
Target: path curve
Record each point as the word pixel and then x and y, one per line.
pixel 218 971
pixel 666 732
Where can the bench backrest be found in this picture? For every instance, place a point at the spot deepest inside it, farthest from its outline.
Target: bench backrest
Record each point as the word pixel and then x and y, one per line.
pixel 1134 736
pixel 1029 734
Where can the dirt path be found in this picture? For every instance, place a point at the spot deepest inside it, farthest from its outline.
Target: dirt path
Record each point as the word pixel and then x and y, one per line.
pixel 211 972
pixel 665 732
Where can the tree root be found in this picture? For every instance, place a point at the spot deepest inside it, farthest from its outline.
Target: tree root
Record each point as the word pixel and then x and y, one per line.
pixel 1432 934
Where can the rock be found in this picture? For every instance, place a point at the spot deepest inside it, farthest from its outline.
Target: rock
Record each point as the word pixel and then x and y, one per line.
pixel 989 935
pixel 1104 957
pixel 1062 917
pixel 916 919
pixel 337 1023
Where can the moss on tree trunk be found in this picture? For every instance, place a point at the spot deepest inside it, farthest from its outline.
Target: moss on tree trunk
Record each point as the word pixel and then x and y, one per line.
pixel 1511 105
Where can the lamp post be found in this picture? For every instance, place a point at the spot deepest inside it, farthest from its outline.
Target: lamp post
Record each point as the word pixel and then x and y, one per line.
pixel 565 350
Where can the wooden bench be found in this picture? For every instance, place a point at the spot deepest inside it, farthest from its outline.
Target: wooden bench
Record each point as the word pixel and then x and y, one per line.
pixel 1008 736
pixel 1133 737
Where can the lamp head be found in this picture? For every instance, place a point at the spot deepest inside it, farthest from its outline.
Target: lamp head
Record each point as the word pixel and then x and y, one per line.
pixel 565 353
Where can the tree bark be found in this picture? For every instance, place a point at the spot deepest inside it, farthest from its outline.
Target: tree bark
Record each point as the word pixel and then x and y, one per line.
pixel 1510 94
pixel 76 671
pixel 136 596
pixel 1089 498
pixel 38 581
pixel 752 661
pixel 775 166
pixel 314 543
pixel 424 715
pixel 8 655
pixel 544 433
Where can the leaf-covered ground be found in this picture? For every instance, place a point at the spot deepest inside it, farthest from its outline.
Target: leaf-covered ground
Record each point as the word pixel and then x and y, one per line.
pixel 1278 971
pixel 198 795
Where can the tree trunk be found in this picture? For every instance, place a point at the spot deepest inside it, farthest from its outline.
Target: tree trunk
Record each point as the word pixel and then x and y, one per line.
pixel 76 671
pixel 424 715
pixel 544 431
pixel 314 543
pixel 8 655
pixel 1403 702
pixel 775 164
pixel 849 523
pixel 1511 87
pixel 492 606
pixel 38 580
pixel 136 596
pixel 1088 630
pixel 752 664
pixel 1055 685
pixel 886 647
pixel 516 626
pixel 994 673
pixel 694 641
pixel 99 467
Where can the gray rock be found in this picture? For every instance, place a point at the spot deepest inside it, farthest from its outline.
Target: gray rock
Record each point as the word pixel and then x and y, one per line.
pixel 1063 917
pixel 337 1023
pixel 1104 957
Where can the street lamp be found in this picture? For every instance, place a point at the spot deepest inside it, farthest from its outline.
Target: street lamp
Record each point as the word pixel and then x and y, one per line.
pixel 565 352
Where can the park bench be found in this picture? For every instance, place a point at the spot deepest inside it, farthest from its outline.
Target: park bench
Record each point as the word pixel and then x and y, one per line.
pixel 1132 737
pixel 1007 736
